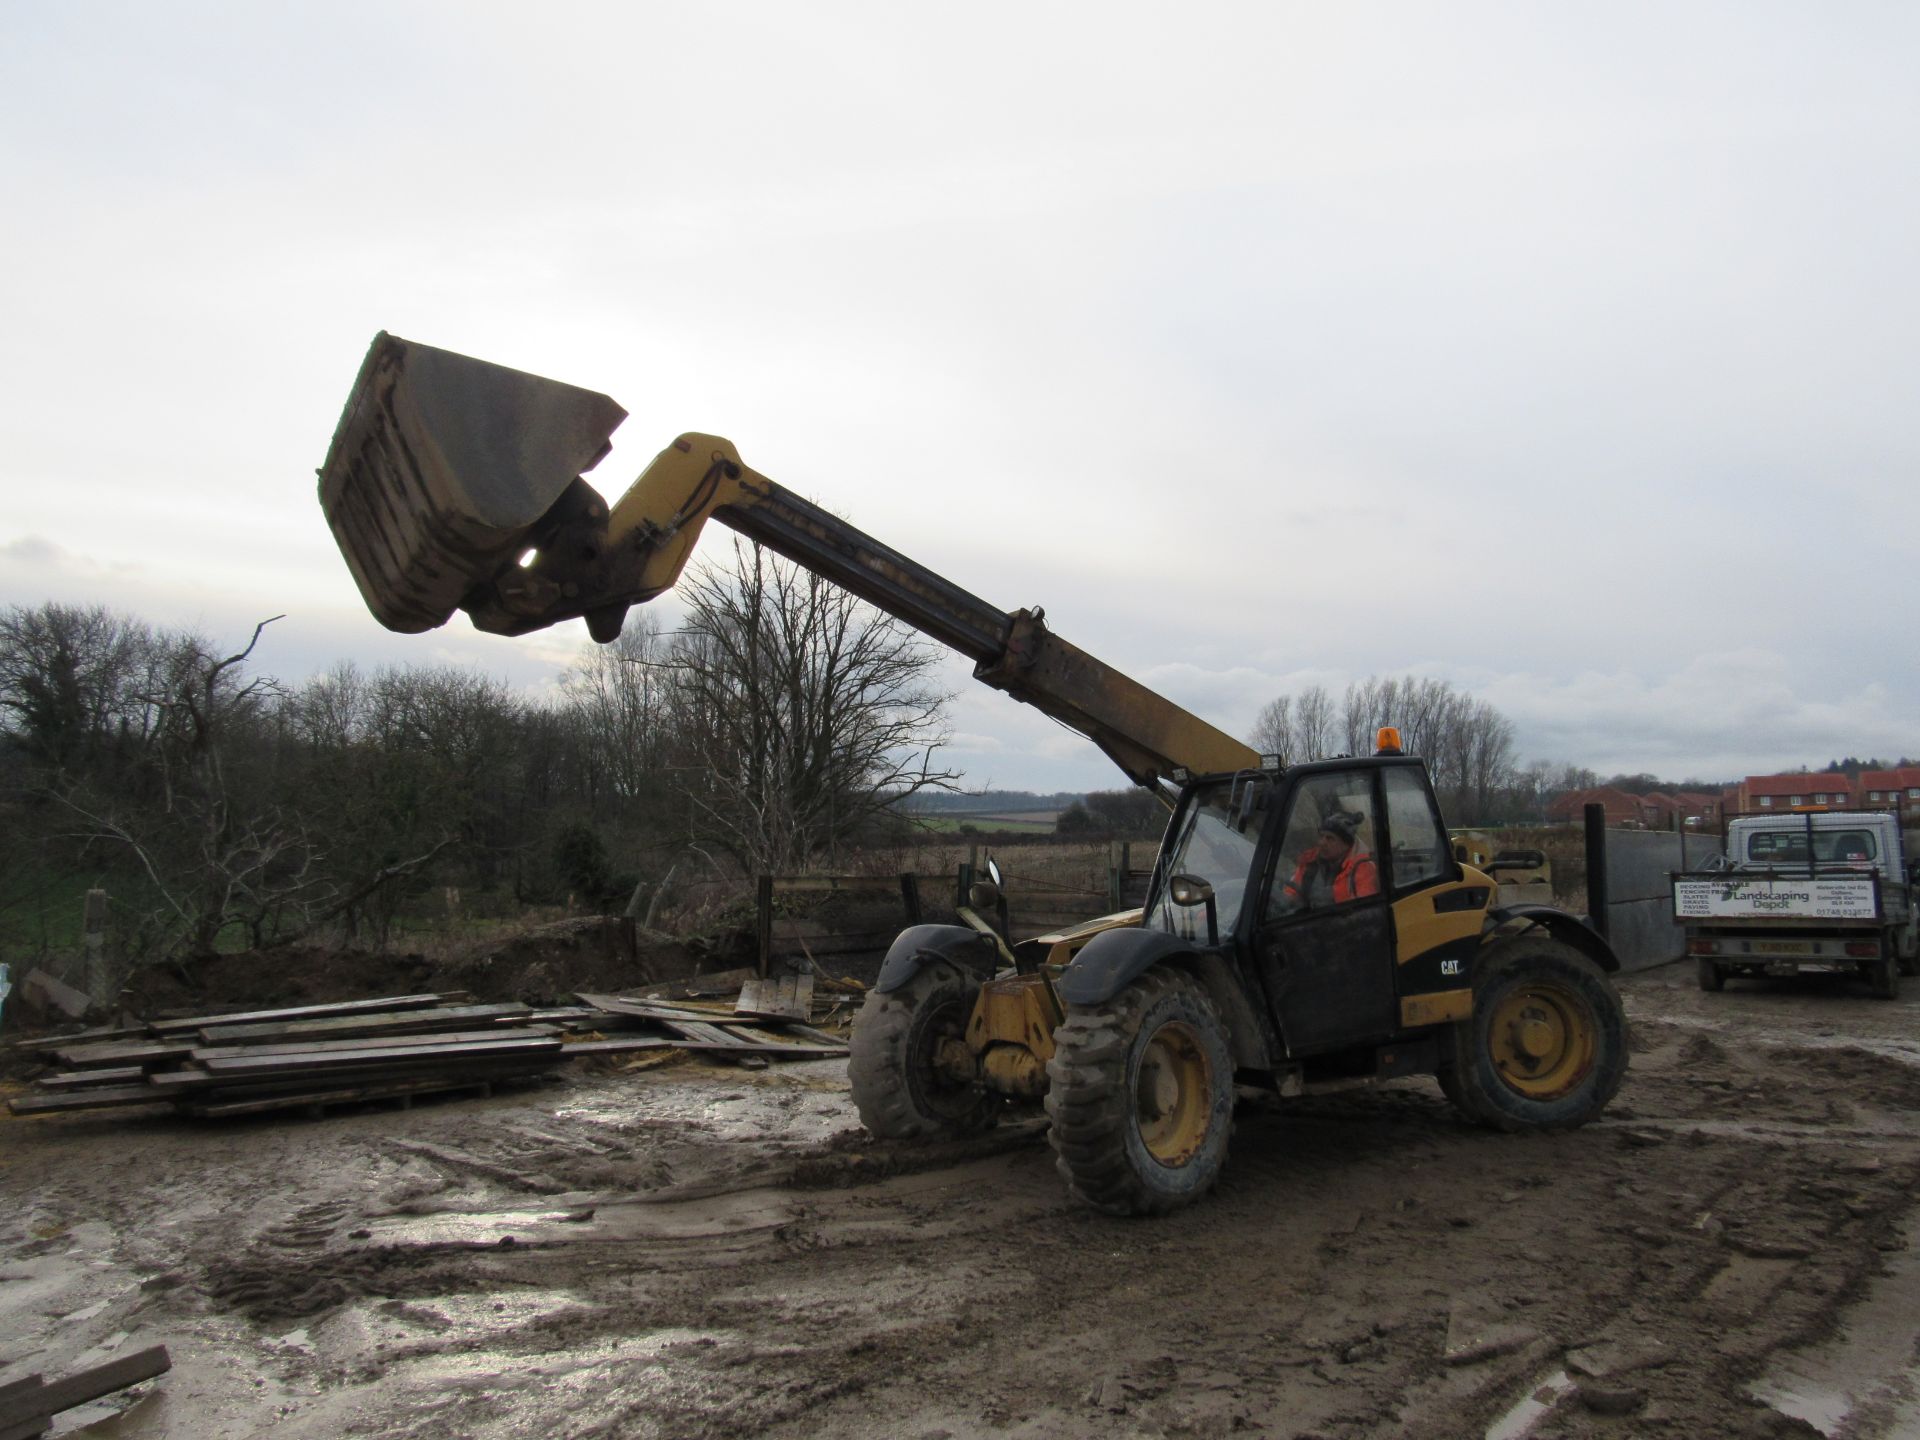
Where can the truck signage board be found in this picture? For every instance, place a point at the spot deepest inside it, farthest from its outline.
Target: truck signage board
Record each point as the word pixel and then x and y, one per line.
pixel 1768 897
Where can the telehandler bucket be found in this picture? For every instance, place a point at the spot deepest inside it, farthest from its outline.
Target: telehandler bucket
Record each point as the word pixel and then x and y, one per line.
pixel 442 470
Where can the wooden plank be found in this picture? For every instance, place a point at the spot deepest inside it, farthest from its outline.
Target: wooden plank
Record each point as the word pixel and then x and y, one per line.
pixel 105 1379
pixel 662 1011
pixel 100 1098
pixel 14 1389
pixel 99 1036
pixel 625 1042
pixel 218 1063
pixel 450 1017
pixel 790 997
pixel 309 1012
pixel 121 1053
pixel 74 1079
pixel 219 1090
pixel 346 1095
pixel 704 1033
pixel 378 1042
pixel 719 982
pixel 735 1048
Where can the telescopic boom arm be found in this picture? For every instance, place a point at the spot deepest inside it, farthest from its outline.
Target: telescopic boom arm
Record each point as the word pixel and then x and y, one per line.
pixel 453 483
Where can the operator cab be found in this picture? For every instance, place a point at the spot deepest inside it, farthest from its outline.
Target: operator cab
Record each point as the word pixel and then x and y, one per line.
pixel 1332 889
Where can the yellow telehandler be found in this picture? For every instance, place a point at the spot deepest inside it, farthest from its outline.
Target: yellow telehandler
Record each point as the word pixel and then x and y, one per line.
pixel 1306 925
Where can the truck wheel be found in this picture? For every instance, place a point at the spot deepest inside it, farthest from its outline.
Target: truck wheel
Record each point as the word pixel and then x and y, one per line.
pixel 1712 977
pixel 1883 977
pixel 909 1062
pixel 1140 1095
pixel 1546 1045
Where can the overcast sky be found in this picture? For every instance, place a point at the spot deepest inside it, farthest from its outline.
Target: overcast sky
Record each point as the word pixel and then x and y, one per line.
pixel 1569 353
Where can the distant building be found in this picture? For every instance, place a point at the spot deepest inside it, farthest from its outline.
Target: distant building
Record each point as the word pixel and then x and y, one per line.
pixel 1699 808
pixel 1657 810
pixel 1623 810
pixel 1899 787
pixel 1794 792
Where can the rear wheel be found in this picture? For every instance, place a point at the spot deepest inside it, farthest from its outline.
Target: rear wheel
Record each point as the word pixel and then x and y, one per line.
pixel 912 1072
pixel 1712 977
pixel 1883 978
pixel 1140 1094
pixel 1546 1045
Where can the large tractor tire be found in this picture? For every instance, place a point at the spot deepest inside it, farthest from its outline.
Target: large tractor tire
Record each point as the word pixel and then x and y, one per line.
pixel 1140 1094
pixel 906 1060
pixel 1546 1045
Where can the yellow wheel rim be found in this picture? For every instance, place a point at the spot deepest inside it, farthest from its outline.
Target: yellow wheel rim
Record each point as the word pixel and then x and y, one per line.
pixel 1173 1094
pixel 1542 1039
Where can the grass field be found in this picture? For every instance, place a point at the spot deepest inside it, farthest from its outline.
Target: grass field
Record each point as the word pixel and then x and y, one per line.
pixel 1034 822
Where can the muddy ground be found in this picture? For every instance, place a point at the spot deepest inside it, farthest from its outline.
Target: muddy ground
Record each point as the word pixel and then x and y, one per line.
pixel 690 1250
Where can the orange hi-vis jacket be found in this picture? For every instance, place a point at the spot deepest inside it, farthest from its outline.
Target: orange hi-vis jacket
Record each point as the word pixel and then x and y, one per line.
pixel 1358 876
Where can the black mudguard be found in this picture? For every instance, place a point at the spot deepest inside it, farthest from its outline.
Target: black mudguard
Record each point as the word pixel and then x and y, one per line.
pixel 1113 960
pixel 1566 927
pixel 919 946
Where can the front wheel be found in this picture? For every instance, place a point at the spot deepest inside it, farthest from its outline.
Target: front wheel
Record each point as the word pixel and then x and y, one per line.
pixel 911 1070
pixel 1546 1045
pixel 1712 977
pixel 1140 1094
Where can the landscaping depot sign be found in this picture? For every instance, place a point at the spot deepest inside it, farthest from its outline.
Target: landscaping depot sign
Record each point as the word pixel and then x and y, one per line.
pixel 1766 897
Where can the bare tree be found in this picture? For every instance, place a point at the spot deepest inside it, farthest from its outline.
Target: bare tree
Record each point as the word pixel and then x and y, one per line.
pixel 1299 727
pixel 618 699
pixel 804 712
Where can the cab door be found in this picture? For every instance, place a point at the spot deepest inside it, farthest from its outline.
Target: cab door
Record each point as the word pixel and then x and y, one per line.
pixel 1323 945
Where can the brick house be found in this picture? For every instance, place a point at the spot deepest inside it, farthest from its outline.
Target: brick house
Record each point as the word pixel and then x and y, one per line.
pixel 1697 807
pixel 1622 809
pixel 1893 787
pixel 1794 792
pixel 1657 809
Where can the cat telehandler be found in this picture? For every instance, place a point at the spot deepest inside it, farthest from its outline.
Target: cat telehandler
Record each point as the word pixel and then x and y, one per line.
pixel 1306 926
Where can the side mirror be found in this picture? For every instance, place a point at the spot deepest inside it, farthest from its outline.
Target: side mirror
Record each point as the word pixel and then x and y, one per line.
pixel 988 893
pixel 1187 891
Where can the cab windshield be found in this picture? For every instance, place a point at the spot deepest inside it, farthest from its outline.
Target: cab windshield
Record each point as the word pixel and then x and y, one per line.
pixel 1214 839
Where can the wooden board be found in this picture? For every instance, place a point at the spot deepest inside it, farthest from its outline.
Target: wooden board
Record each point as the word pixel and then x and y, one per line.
pixel 74 1079
pixel 661 1010
pixel 120 1053
pixel 379 1005
pixel 345 1095
pixel 445 1017
pixel 98 1098
pixel 789 997
pixel 720 982
pixel 379 1042
pixel 221 1063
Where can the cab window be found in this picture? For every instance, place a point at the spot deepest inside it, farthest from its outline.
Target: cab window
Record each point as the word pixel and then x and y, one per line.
pixel 1419 844
pixel 1327 856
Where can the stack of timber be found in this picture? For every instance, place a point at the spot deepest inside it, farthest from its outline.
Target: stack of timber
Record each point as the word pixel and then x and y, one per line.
pixel 396 1047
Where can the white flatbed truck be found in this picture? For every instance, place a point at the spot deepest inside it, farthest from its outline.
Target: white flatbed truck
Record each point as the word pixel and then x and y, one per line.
pixel 1825 890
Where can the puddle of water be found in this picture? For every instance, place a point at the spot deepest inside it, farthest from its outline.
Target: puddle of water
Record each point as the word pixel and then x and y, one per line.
pixel 469 1368
pixel 1532 1407
pixel 475 1228
pixel 1868 1366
